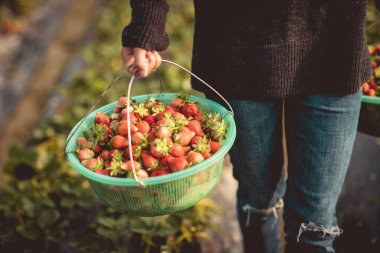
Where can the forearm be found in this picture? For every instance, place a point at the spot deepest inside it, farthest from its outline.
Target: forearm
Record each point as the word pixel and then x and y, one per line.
pixel 147 27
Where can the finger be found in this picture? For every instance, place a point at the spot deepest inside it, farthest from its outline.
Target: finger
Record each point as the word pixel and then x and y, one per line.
pixel 127 56
pixel 158 60
pixel 151 61
pixel 141 62
pixel 131 69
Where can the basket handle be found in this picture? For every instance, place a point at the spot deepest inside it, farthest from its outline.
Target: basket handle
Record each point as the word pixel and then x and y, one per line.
pixel 128 109
pixel 203 82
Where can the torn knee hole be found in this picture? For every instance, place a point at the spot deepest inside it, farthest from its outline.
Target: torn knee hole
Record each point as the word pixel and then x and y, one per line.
pixel 311 227
pixel 265 212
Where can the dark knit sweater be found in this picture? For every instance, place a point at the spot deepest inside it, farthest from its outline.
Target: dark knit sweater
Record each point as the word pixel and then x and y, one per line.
pixel 266 49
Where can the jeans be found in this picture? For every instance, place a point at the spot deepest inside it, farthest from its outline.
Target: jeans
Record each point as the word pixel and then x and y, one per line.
pixel 320 132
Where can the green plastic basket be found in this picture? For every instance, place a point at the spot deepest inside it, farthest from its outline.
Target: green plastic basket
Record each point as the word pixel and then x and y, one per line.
pixel 369 119
pixel 164 194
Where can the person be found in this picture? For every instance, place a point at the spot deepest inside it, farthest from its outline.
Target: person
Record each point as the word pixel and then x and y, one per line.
pixel 298 61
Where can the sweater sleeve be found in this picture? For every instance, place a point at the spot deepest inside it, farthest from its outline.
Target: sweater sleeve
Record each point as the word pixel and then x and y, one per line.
pixel 147 27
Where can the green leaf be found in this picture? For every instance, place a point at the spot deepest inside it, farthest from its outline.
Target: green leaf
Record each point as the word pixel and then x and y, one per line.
pixel 86 203
pixel 29 230
pixel 66 188
pixel 141 225
pixel 47 218
pixel 107 233
pixel 48 203
pixel 15 152
pixel 29 207
pixel 68 202
pixel 107 222
pixel 165 228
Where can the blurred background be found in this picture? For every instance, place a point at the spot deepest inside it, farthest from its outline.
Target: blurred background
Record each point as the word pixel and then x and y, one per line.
pixel 56 58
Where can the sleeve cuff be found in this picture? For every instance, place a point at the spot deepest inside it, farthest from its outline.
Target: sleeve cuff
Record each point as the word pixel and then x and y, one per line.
pixel 147 28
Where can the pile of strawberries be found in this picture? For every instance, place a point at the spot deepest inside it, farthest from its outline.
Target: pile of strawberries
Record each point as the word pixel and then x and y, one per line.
pixel 372 87
pixel 165 138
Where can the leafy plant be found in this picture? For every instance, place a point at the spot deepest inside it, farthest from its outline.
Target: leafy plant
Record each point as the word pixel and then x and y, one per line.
pixel 45 206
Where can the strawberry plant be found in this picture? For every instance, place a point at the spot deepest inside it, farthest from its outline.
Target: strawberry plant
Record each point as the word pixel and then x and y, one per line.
pixel 45 206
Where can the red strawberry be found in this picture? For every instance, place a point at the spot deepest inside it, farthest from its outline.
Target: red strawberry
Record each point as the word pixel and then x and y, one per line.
pixel 180 118
pixel 142 174
pixel 160 147
pixel 121 103
pixel 189 109
pixel 373 85
pixel 206 155
pixel 143 127
pixel 163 132
pixel 137 138
pixel 195 139
pixel 195 126
pixel 148 160
pixel 183 137
pixel 114 124
pixel 138 116
pixel 160 172
pixel 105 155
pixel 101 118
pixel 178 150
pixel 371 93
pixel 128 165
pixel 122 128
pixel 115 155
pixel 85 154
pixel 82 143
pixel 170 109
pixel 160 115
pixel 164 160
pixel 177 163
pixel 150 120
pixel 198 116
pixel 152 135
pixel 103 172
pixel 119 142
pixel 123 115
pixel 177 102
pixel 98 148
pixel 215 146
pixel 106 164
pixel 203 147
pixel 194 157
pixel 184 129
pixel 162 121
pixel 93 163
pixel 136 152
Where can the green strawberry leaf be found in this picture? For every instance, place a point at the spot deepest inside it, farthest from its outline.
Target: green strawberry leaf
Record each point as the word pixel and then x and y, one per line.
pixel 47 218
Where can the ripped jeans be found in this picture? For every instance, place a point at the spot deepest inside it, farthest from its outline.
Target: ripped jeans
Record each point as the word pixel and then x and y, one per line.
pixel 320 132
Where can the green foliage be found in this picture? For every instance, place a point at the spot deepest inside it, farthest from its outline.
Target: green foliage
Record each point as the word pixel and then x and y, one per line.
pixel 373 24
pixel 16 8
pixel 46 206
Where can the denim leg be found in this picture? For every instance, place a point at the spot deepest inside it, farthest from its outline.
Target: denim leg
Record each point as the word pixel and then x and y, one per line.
pixel 320 131
pixel 257 159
